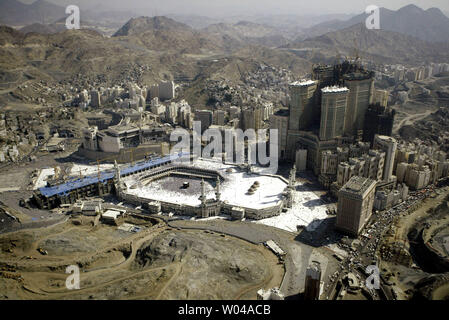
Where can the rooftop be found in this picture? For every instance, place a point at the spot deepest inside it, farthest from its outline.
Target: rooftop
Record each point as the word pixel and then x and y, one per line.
pixel 358 185
pixel 386 138
pixel 334 89
pixel 77 183
pixel 111 214
pixel 303 83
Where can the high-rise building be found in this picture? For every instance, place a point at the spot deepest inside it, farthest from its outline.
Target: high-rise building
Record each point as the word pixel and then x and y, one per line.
pixel 166 90
pixel 95 99
pixel 171 113
pixel 378 120
pixel 313 282
pixel 389 146
pixel 279 121
pixel 251 118
pixel 156 107
pixel 234 112
pixel 205 117
pixel 324 74
pixel 380 97
pixel 153 92
pixel 329 162
pixel 219 117
pixel 361 87
pixel 333 108
pixel 267 111
pixel 355 204
pixel 303 106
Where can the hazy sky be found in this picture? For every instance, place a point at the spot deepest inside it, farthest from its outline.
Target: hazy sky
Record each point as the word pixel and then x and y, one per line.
pixel 247 7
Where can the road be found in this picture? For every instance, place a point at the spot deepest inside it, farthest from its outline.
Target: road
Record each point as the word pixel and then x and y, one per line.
pixel 410 119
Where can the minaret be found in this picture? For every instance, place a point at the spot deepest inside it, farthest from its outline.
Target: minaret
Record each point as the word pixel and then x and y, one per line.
pixel 292 177
pixel 203 192
pixel 218 193
pixel 291 187
pixel 294 174
pixel 117 171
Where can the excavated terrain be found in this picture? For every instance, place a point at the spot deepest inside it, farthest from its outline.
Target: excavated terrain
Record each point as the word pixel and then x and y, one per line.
pixel 155 263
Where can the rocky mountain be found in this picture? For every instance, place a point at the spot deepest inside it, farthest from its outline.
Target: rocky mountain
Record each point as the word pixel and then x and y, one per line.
pixel 248 32
pixel 43 28
pixel 162 33
pixel 14 12
pixel 137 26
pixel 378 45
pixel 430 25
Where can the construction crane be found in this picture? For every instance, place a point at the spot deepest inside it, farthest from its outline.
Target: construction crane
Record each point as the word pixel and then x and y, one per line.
pixel 81 174
pixel 357 46
pixel 98 162
pixel 337 56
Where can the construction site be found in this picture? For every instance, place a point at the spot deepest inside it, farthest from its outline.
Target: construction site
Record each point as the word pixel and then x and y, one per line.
pixel 145 261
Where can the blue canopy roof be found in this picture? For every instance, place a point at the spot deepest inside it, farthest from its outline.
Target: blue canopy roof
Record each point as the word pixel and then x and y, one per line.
pixel 77 183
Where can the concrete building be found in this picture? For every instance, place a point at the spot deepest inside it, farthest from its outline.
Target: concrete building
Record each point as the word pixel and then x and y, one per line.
pixel 374 165
pixel 251 118
pixel 219 117
pixel 370 165
pixel 166 90
pixel 301 160
pixel 90 138
pixel 312 285
pixel 111 216
pixel 205 117
pixel 385 199
pixel 303 106
pixel 120 137
pixel 418 177
pixel 378 120
pixel 153 92
pixel 324 74
pixel 380 97
pixel 313 145
pixel 355 205
pixel 389 146
pixel 401 171
pixel 267 111
pixel 156 107
pixel 333 108
pixel 171 113
pixel 185 117
pixel 329 162
pixel 95 100
pixel 234 112
pixel 279 121
pixel 361 88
